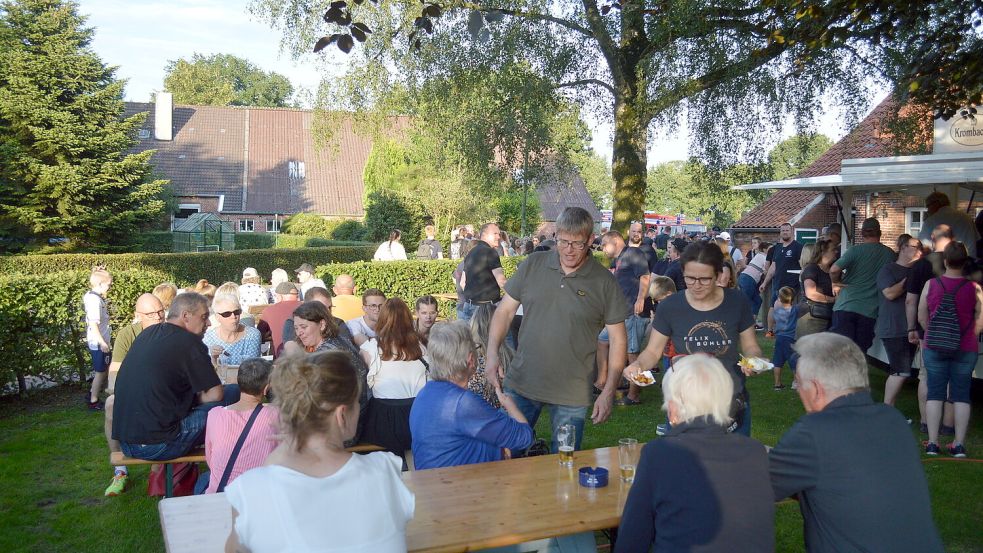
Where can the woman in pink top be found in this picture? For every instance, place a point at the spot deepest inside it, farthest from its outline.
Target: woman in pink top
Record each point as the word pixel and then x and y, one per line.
pixel 949 359
pixel 225 425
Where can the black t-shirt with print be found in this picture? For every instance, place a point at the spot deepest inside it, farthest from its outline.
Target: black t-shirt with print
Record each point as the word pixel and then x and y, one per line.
pixel 785 258
pixel 716 332
pixel 480 284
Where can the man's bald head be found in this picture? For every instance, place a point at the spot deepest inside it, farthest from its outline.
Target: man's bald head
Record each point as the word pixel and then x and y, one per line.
pixel 149 310
pixel 344 285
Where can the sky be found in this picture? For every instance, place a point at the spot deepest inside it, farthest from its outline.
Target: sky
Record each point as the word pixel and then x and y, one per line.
pixel 141 36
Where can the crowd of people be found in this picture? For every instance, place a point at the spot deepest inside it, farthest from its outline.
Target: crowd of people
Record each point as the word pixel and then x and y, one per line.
pixel 346 367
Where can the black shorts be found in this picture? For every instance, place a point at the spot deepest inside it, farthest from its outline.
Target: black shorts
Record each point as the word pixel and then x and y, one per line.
pixel 900 354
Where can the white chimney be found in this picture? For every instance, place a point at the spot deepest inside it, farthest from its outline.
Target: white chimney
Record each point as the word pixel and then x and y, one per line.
pixel 163 115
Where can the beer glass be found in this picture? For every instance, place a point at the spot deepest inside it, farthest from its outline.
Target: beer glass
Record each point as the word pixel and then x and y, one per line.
pixel 566 435
pixel 628 451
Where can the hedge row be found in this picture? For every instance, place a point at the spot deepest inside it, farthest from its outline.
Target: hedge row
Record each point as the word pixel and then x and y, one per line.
pixel 290 241
pixel 43 320
pixel 187 268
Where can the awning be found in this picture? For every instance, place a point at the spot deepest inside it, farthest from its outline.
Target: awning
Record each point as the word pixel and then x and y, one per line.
pixel 880 174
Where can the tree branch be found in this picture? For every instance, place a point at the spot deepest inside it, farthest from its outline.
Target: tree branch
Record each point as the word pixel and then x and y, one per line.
pixel 599 32
pixel 526 15
pixel 582 82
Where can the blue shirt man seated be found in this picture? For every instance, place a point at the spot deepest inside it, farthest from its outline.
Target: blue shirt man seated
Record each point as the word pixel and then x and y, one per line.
pixel 852 462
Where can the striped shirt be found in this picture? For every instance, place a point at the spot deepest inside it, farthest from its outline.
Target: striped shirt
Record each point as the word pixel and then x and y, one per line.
pixel 221 434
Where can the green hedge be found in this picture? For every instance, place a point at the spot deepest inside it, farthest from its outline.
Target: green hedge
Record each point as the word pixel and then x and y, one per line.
pixel 186 268
pixel 246 241
pixel 44 323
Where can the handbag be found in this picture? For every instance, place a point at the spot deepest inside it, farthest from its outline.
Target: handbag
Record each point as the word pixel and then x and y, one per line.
pixel 238 447
pixel 819 310
pixel 185 477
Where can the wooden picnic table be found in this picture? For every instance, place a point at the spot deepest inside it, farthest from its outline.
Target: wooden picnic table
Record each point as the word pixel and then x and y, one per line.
pixel 448 297
pixel 457 508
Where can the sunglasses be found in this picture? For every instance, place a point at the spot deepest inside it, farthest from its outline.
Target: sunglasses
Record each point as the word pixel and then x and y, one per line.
pixel 227 314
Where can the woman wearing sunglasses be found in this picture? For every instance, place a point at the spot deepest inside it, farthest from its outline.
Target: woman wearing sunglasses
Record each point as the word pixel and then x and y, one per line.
pixel 230 342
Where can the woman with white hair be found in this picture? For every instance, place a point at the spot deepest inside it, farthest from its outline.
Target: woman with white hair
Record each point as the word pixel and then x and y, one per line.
pixel 450 424
pixel 718 493
pixel 230 342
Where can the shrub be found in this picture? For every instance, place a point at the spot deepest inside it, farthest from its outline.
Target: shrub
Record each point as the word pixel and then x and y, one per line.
pixel 185 268
pixel 154 242
pixel 350 230
pixel 387 211
pixel 43 320
pixel 249 241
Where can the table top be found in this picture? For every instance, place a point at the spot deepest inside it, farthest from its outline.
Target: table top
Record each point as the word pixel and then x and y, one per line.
pixel 457 508
pixel 508 502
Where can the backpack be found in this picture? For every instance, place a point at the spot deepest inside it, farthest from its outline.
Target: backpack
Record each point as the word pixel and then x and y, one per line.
pixel 944 332
pixel 427 249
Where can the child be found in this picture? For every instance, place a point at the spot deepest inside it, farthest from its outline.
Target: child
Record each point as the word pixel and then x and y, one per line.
pixel 782 318
pixel 225 424
pixel 97 331
pixel 660 288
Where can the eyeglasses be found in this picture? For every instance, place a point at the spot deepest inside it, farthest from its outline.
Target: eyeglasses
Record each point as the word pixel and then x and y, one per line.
pixel 703 281
pixel 575 244
pixel 227 314
pixel 373 306
pixel 158 314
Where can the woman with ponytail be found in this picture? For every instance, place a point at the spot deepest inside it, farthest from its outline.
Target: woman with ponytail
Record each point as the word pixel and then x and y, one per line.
pixel 391 250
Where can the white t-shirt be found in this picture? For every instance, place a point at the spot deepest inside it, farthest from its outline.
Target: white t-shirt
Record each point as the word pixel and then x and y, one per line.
pixel 735 253
pixel 393 379
pixel 95 313
pixel 358 326
pixel 390 251
pixel 364 507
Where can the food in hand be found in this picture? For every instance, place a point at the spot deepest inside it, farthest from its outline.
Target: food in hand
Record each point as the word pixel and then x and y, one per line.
pixel 755 364
pixel 644 378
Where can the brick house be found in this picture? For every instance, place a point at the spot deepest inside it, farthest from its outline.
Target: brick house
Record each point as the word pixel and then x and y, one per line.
pixel 254 166
pixel 811 210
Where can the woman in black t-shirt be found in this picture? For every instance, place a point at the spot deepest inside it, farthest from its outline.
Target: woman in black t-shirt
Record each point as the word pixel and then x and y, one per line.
pixel 705 318
pixel 817 290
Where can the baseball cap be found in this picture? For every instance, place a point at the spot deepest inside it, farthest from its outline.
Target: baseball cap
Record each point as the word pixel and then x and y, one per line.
pixel 305 267
pixel 250 272
pixel 725 235
pixel 871 224
pixel 285 288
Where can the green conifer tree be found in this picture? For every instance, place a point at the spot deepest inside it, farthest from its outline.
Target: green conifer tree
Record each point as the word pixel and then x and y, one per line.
pixel 64 166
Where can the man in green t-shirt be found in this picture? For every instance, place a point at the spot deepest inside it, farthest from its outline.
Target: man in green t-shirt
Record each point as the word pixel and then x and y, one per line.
pixel 148 311
pixel 855 285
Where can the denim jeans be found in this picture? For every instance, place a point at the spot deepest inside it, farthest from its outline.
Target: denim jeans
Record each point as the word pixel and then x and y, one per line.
pixel 465 310
pixel 559 415
pixel 949 370
pixel 750 289
pixel 190 436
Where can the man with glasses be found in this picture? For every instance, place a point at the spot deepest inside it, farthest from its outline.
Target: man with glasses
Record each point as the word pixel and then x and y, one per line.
pixel 363 328
pixel 481 277
pixel 567 298
pixel 167 384
pixel 148 311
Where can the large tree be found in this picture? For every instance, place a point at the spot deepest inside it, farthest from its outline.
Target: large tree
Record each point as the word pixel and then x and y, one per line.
pixel 732 69
pixel 225 80
pixel 64 170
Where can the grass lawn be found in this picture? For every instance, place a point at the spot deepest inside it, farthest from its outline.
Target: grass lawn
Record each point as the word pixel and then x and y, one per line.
pixel 54 468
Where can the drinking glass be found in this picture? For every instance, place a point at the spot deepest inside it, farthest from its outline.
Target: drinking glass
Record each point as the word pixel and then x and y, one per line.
pixel 628 458
pixel 566 435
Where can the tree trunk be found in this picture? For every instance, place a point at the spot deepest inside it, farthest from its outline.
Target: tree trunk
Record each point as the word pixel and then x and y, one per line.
pixel 628 161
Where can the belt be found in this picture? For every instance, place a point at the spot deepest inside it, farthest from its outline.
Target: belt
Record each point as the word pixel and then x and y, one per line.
pixel 482 302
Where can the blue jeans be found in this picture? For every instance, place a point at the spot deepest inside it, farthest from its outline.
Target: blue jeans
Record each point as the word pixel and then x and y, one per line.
pixel 559 415
pixel 190 436
pixel 949 370
pixel 635 327
pixel 750 289
pixel 465 310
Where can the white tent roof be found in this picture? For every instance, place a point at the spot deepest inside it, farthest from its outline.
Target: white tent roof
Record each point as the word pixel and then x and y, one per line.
pixel 891 173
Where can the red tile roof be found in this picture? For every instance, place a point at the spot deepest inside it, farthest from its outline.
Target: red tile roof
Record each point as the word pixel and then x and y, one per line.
pixel 269 156
pixel 869 139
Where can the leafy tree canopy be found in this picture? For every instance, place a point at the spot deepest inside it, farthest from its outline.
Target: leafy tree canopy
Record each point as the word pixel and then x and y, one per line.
pixel 731 70
pixel 64 170
pixel 225 80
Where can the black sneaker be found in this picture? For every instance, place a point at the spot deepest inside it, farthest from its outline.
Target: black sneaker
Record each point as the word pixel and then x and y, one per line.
pixel 95 405
pixel 931 449
pixel 923 428
pixel 957 450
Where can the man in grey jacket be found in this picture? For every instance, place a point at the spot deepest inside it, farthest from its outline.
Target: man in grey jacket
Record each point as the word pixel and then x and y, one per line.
pixel 852 462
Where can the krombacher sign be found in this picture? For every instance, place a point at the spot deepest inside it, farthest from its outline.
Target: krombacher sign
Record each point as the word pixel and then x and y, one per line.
pixel 959 134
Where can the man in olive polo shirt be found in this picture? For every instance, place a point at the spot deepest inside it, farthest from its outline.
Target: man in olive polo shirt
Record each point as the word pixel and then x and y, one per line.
pixel 567 298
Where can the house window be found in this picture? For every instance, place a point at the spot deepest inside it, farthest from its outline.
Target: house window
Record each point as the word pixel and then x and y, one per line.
pixel 187 210
pixel 296 170
pixel 913 218
pixel 245 225
pixel 272 225
pixel 144 134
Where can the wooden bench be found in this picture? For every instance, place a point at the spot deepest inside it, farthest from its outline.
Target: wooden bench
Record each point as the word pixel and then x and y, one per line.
pixel 198 456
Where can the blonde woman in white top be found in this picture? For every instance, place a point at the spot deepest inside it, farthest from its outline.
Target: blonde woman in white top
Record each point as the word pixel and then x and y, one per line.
pixel 312 495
